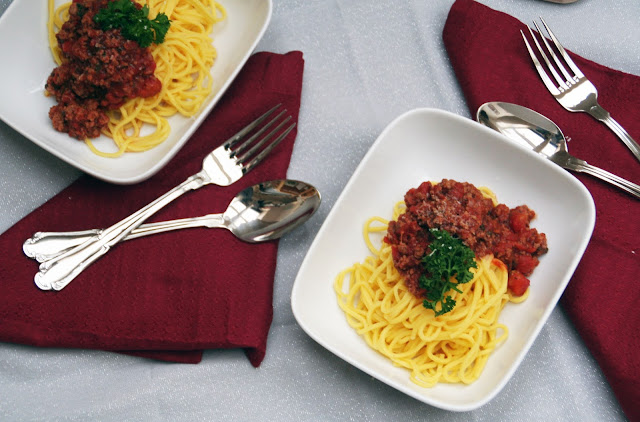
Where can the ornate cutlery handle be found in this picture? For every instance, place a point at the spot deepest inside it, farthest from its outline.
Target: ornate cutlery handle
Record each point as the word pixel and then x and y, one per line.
pixel 617 181
pixel 569 162
pixel 58 272
pixel 43 246
pixel 603 115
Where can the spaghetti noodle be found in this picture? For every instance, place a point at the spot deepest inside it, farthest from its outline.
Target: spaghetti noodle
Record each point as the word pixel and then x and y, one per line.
pixel 450 348
pixel 183 63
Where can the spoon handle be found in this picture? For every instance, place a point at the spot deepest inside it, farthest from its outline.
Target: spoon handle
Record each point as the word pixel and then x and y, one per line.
pixel 618 181
pixel 43 246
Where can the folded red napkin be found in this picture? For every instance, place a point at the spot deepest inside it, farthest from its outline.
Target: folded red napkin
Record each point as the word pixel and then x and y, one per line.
pixel 491 64
pixel 175 294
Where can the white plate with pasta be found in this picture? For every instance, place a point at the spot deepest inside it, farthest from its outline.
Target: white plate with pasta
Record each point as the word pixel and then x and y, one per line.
pixel 431 145
pixel 23 27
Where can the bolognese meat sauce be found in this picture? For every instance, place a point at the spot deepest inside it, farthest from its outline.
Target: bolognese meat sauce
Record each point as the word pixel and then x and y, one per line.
pixel 101 70
pixel 462 210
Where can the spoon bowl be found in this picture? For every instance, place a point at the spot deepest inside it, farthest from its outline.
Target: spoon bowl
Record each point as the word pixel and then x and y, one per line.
pixel 534 131
pixel 260 213
pixel 267 211
pixel 528 128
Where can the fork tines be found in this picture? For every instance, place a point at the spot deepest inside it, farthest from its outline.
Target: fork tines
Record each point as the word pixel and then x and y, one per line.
pixel 562 84
pixel 574 92
pixel 248 153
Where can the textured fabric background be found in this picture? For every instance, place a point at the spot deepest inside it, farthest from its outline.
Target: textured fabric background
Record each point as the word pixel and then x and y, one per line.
pixel 365 63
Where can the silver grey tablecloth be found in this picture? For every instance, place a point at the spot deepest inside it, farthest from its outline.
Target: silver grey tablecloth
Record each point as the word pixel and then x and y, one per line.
pixel 366 63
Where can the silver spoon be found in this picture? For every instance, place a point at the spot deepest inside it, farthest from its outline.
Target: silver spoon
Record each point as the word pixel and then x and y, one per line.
pixel 534 131
pixel 259 213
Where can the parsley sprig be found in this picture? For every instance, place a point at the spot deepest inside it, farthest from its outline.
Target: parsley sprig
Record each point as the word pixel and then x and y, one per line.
pixel 447 265
pixel 133 22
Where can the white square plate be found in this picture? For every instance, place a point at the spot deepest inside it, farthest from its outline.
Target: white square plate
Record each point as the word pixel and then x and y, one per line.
pixel 24 45
pixel 427 144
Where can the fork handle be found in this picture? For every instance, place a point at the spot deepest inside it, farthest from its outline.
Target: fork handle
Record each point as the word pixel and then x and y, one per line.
pixel 58 272
pixel 603 115
pixel 618 181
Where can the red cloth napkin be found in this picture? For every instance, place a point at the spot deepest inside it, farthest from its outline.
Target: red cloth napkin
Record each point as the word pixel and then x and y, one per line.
pixel 172 295
pixel 491 64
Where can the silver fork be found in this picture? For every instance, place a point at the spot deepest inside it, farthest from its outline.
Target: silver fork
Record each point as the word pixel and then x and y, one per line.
pixel 222 166
pixel 575 93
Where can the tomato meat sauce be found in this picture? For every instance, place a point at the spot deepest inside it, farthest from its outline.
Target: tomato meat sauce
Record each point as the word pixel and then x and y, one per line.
pixel 462 210
pixel 101 70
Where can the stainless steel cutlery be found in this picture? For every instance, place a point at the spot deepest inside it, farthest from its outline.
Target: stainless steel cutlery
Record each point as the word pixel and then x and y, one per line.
pixel 222 166
pixel 570 87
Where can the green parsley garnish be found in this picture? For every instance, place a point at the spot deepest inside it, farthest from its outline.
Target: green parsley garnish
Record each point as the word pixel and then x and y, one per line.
pixel 450 260
pixel 133 22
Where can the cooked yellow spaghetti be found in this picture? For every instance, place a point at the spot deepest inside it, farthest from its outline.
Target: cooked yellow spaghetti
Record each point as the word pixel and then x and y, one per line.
pixel 451 348
pixel 183 63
